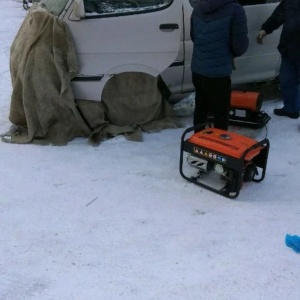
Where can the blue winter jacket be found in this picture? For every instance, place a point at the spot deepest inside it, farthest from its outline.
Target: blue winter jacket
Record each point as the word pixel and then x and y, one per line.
pixel 219 33
pixel 287 13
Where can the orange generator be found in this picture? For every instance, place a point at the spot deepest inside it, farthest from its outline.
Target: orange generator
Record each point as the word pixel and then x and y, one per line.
pixel 221 161
pixel 245 110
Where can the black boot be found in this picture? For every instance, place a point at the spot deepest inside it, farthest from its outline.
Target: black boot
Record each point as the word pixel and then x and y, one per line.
pixel 281 112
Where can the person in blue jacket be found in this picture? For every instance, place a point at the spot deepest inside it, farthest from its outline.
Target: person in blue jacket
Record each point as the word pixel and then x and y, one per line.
pixel 219 33
pixel 287 13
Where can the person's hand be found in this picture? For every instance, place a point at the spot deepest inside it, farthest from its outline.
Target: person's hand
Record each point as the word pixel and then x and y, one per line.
pixel 260 36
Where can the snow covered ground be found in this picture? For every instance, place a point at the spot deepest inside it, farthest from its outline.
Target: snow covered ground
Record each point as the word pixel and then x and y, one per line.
pixel 118 221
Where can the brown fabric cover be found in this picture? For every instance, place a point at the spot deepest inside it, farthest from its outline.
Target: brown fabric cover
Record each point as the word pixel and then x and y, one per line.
pixel 43 110
pixel 42 63
pixel 131 103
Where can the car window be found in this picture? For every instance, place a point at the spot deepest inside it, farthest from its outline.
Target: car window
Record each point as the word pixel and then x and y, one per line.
pixel 55 7
pixel 117 7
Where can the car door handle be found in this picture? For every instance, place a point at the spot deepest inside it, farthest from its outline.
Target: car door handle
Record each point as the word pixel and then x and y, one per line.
pixel 168 26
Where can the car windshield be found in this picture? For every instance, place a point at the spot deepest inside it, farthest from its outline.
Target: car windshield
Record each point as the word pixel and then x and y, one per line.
pixel 55 7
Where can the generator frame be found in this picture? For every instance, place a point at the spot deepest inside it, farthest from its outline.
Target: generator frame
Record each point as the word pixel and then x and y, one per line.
pixel 234 164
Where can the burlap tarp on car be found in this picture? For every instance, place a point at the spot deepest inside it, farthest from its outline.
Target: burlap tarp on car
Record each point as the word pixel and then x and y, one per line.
pixel 43 110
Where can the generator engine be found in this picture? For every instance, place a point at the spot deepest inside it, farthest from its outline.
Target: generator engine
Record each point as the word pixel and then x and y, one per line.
pixel 221 161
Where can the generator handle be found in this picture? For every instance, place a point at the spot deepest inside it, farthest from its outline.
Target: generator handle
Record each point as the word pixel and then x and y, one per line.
pixel 181 150
pixel 266 144
pixel 195 128
pixel 189 129
pixel 186 132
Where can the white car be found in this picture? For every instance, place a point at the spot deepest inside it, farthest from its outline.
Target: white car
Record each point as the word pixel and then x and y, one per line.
pixel 152 36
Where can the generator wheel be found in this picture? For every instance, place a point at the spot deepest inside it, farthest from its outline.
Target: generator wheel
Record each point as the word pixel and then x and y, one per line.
pixel 250 172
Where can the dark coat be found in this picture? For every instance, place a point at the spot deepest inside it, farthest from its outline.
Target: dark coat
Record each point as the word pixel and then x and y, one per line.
pixel 287 13
pixel 219 33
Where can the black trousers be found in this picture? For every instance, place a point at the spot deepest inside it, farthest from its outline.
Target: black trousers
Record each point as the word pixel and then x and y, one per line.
pixel 212 97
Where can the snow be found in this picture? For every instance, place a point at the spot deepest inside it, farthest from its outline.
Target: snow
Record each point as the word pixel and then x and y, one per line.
pixel 118 221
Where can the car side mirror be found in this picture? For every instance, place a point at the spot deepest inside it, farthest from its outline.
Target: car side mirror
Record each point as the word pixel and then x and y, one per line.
pixel 78 11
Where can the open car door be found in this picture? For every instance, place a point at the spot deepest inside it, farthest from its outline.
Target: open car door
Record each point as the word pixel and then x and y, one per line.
pixel 114 36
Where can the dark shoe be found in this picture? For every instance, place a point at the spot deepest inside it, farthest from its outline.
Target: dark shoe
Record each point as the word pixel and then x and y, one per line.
pixel 282 113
